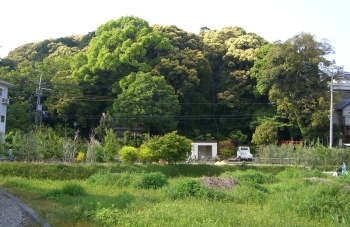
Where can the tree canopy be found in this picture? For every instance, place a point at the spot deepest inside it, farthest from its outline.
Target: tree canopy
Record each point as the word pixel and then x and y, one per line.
pixel 148 101
pixel 225 84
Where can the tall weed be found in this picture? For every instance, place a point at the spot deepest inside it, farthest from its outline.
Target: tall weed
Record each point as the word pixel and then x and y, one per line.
pixel 252 176
pixel 124 179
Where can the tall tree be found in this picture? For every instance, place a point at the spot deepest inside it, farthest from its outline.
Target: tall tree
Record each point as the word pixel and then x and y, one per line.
pixel 187 70
pixel 231 53
pixel 119 47
pixel 148 101
pixel 296 75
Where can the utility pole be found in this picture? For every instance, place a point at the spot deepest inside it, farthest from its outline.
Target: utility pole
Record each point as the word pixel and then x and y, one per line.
pixel 331 116
pixel 38 110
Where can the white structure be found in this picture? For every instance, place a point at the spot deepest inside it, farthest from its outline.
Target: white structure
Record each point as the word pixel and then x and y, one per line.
pixel 4 101
pixel 204 150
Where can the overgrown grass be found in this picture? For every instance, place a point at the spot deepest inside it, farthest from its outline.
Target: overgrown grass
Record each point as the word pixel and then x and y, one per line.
pixel 289 197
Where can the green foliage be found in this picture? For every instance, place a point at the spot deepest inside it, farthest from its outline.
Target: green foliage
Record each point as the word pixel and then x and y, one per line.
pixel 237 137
pixel 94 150
pixel 152 180
pixel 146 155
pixel 170 148
pixel 111 146
pixel 107 216
pixel 188 188
pixel 17 117
pixel 300 196
pixel 81 157
pixel 73 189
pixel 225 149
pixel 266 133
pixel 124 179
pixel 192 188
pixel 128 154
pixel 106 123
pixel 52 194
pixel 322 200
pixel 165 79
pixel 252 176
pixel 249 194
pixel 312 155
pixel 40 145
pixel 297 82
pixel 147 100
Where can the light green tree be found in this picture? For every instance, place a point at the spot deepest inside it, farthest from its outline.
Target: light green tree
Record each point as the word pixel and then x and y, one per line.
pixel 169 148
pixel 266 133
pixel 128 154
pixel 111 146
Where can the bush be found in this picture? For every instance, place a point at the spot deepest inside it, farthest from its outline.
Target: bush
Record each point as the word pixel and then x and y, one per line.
pixel 151 180
pixel 189 188
pixel 73 189
pixel 225 149
pixel 81 157
pixel 128 154
pixel 171 147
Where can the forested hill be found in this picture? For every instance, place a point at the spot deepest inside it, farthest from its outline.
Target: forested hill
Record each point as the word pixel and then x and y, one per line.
pixel 217 84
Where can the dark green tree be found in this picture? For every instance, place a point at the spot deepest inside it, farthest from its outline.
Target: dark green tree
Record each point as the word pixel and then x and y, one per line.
pixel 295 75
pixel 148 101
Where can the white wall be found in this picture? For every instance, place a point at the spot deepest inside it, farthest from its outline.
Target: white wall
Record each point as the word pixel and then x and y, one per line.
pixel 194 152
pixel 3 108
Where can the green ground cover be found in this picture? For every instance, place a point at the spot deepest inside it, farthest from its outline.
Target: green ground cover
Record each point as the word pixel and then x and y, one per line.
pixel 136 195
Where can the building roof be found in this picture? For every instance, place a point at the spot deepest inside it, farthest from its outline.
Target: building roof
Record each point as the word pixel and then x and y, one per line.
pixel 341 105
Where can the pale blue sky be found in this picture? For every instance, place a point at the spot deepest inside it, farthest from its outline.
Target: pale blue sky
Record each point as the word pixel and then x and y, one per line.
pixel 24 21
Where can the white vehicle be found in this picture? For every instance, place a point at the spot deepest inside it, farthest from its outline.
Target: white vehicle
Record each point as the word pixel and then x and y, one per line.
pixel 243 153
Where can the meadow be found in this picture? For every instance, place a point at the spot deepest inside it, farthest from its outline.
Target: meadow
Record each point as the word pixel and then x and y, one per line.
pixel 179 195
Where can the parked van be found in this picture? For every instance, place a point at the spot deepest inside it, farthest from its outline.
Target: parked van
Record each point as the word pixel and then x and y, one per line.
pixel 243 153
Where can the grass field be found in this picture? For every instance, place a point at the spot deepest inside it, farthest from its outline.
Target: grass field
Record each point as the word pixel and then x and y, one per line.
pixel 155 196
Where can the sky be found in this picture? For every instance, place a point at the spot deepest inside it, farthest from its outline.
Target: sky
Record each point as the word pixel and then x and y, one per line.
pixel 26 21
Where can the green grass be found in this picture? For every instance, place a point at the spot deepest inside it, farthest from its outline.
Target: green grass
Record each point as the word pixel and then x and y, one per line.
pixel 290 197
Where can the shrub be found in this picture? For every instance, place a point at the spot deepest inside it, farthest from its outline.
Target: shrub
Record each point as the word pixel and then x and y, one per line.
pixel 188 188
pixel 73 189
pixel 128 154
pixel 171 147
pixel 193 188
pixel 111 146
pixel 152 180
pixel 225 149
pixel 80 157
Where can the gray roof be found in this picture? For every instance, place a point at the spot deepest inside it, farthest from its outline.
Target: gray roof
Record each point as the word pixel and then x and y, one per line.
pixel 341 105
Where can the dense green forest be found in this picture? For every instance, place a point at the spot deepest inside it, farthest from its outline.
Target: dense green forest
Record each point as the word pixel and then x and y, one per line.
pixel 217 84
